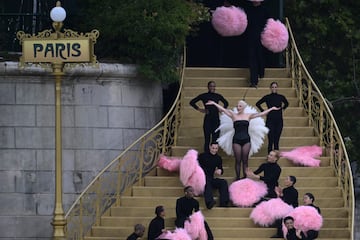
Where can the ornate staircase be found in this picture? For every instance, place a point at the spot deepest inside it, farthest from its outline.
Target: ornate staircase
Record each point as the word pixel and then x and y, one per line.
pixel 160 187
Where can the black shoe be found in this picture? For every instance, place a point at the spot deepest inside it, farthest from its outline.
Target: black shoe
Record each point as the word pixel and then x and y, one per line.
pixel 276 236
pixel 253 85
pixel 210 205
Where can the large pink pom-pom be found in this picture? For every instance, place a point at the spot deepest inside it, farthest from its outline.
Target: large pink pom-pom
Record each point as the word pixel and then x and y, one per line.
pixel 305 218
pixel 304 155
pixel 267 212
pixel 229 21
pixel 195 227
pixel 168 163
pixel 246 192
pixel 178 234
pixel 275 36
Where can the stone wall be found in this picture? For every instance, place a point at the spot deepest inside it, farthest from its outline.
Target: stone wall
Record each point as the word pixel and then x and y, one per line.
pixel 104 109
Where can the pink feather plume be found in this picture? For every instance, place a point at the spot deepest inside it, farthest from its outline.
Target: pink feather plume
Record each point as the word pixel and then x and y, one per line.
pixel 267 212
pixel 195 227
pixel 229 21
pixel 305 218
pixel 191 174
pixel 172 164
pixel 275 36
pixel 246 192
pixel 304 155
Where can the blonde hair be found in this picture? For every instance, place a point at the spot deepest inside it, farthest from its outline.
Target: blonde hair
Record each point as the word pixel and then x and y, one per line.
pixel 242 102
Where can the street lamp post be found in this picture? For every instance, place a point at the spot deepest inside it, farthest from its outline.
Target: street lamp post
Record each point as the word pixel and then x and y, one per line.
pixel 58 48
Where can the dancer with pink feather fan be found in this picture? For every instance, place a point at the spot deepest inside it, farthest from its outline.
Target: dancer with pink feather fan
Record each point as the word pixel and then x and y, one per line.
pixel 185 207
pixel 271 173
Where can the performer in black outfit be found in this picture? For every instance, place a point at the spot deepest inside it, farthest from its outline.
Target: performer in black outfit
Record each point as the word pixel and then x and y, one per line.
pixel 257 17
pixel 211 163
pixel 211 118
pixel 157 224
pixel 139 230
pixel 295 234
pixel 185 206
pixel 274 120
pixel 271 175
pixel 289 195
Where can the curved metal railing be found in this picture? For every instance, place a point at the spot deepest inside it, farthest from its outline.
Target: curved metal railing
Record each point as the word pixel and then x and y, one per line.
pixel 321 117
pixel 124 171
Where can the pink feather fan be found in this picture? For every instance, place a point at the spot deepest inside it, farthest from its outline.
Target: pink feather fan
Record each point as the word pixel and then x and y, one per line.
pixel 178 234
pixel 275 36
pixel 229 21
pixel 191 174
pixel 304 155
pixel 267 212
pixel 246 192
pixel 172 164
pixel 195 227
pixel 305 218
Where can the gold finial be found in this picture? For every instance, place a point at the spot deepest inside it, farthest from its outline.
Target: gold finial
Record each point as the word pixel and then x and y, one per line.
pixel 58 4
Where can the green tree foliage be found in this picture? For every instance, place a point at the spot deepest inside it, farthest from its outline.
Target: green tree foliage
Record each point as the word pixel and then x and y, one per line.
pixel 148 33
pixel 328 38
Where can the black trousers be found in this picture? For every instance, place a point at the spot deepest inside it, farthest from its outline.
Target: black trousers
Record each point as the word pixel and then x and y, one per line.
pixel 221 185
pixel 275 130
pixel 256 63
pixel 209 127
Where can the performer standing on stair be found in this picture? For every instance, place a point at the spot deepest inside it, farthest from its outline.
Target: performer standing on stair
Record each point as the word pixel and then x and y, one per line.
pixel 274 121
pixel 211 118
pixel 241 140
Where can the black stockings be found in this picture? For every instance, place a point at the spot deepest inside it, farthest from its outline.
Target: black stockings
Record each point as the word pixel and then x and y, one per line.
pixel 241 154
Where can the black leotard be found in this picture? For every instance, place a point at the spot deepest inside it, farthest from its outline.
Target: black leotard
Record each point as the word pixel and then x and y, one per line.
pixel 241 135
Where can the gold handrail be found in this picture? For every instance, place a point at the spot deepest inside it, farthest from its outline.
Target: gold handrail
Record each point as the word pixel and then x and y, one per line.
pixel 321 117
pixel 127 169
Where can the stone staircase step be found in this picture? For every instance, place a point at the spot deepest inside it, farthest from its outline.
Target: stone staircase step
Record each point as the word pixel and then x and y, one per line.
pixel 244 232
pixel 133 201
pixel 304 131
pixel 284 141
pixel 238 91
pixel 161 191
pixel 167 181
pixel 235 82
pixel 233 100
pixel 233 72
pixel 190 112
pixel 288 122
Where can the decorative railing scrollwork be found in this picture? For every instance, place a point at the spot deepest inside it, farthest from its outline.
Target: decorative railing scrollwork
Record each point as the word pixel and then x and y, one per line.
pixel 124 171
pixel 321 117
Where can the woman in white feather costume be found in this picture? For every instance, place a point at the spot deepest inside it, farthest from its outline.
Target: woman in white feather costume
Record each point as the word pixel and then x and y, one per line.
pixel 240 136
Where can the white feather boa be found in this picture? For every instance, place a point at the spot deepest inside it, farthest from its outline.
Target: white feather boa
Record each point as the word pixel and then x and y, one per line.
pixel 257 132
